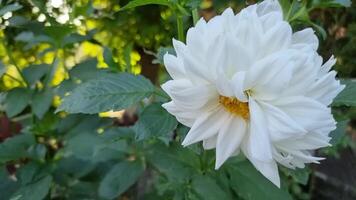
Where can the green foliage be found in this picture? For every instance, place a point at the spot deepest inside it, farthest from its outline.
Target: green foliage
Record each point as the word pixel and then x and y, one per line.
pixel 16 147
pixel 9 8
pixel 154 121
pixel 112 92
pixel 120 178
pixel 347 96
pixel 16 101
pixel 136 3
pixel 244 177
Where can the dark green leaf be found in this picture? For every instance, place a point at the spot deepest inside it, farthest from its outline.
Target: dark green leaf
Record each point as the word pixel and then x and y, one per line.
pixel 109 60
pixel 7 185
pixel 34 191
pixel 136 3
pixel 120 178
pixel 154 121
pixel 41 102
pixel 168 161
pixel 10 8
pixel 15 147
pixel 331 3
pixel 248 183
pixel 207 188
pixel 34 73
pixel 16 101
pixel 2 69
pixel 348 96
pixel 339 132
pixel 113 92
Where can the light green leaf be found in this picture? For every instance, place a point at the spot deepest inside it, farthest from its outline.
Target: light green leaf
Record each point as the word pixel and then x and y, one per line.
pixel 120 178
pixel 136 3
pixel 154 121
pixel 248 183
pixel 207 188
pixel 15 147
pixel 348 96
pixel 41 102
pixel 112 92
pixel 34 191
pixel 10 8
pixel 16 101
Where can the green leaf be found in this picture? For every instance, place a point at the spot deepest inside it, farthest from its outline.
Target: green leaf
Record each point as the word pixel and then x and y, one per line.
pixel 16 101
pixel 10 8
pixel 248 183
pixel 34 191
pixel 34 73
pixel 41 102
pixel 136 3
pixel 109 60
pixel 207 188
pixel 2 69
pixel 347 97
pixel 299 175
pixel 154 121
pixel 15 147
pixel 113 92
pixel 168 161
pixel 339 132
pixel 120 178
pixel 7 185
pixel 160 54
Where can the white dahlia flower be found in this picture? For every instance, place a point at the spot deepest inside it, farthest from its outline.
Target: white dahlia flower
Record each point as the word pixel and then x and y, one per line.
pixel 247 83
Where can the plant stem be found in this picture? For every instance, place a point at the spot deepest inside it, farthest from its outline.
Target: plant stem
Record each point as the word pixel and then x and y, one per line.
pixel 180 28
pixel 195 15
pixel 12 60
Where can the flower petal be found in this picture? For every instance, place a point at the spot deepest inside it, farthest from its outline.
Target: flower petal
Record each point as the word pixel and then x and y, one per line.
pixel 258 141
pixel 280 125
pixel 306 37
pixel 206 126
pixel 174 66
pixel 210 143
pixel 229 139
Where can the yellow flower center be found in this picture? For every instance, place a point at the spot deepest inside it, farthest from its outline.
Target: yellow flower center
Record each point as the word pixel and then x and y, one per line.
pixel 235 106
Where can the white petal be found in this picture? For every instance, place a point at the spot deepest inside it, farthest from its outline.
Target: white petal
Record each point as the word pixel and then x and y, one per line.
pixel 174 66
pixel 199 95
pixel 206 126
pixel 277 38
pixel 258 141
pixel 310 114
pixel 280 125
pixel 210 143
pixel 229 139
pixel 328 65
pixel 237 83
pixel 268 169
pixel 268 6
pixel 325 89
pixel 306 37
pixel 184 116
pixel 269 76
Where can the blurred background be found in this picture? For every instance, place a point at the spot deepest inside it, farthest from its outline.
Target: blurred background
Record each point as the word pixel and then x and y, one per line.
pixel 78 37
